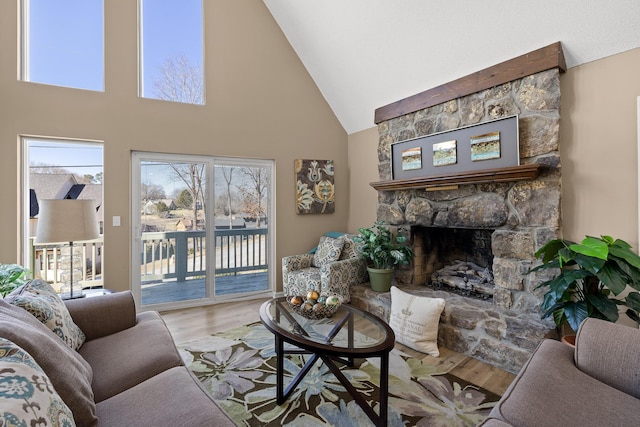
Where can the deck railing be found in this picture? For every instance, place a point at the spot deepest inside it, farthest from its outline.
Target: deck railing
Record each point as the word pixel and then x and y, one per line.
pixel 165 255
pixel 46 260
pixel 182 254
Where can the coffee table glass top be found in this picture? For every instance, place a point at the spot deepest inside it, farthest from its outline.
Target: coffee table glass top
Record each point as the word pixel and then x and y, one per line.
pixel 348 329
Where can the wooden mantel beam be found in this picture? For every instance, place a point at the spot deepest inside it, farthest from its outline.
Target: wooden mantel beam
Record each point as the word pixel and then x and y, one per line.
pixel 534 62
pixel 506 174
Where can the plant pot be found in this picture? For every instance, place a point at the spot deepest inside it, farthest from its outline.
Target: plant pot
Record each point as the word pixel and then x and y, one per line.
pixel 380 278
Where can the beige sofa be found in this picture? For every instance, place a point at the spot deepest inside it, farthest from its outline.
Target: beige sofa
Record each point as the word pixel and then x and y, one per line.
pixel 595 384
pixel 126 373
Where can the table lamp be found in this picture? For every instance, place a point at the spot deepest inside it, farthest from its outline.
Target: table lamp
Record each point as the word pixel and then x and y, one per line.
pixel 67 220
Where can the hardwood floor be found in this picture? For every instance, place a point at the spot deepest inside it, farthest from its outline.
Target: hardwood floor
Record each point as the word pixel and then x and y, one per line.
pixel 193 323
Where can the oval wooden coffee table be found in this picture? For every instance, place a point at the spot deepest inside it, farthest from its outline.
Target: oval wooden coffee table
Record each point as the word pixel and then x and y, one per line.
pixel 349 334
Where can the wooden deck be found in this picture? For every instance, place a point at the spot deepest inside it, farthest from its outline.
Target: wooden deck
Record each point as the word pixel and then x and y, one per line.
pixel 171 291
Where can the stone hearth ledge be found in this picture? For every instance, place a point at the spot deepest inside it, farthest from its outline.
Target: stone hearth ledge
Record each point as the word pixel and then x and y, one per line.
pixel 498 336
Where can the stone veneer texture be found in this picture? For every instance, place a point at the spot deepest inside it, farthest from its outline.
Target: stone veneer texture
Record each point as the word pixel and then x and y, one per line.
pixel 525 215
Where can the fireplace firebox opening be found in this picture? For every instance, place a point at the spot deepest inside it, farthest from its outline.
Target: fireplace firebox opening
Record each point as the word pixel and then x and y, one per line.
pixel 456 259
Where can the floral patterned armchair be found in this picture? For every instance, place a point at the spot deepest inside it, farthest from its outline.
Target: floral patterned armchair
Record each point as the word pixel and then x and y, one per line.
pixel 335 266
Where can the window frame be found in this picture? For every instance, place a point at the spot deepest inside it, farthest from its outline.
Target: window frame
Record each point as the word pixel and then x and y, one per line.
pixel 137 157
pixel 25 255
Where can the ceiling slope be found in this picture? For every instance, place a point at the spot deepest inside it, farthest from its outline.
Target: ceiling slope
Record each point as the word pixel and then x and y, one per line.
pixel 364 54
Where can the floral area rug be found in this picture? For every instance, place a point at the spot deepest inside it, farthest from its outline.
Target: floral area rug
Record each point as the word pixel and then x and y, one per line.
pixel 238 368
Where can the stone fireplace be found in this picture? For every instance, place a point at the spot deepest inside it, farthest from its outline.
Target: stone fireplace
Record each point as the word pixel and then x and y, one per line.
pixel 494 225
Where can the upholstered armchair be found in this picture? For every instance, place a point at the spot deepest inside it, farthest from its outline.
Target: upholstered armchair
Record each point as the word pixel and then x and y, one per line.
pixel 335 266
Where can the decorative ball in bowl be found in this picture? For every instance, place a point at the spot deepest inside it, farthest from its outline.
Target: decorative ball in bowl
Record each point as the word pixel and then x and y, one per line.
pixel 314 305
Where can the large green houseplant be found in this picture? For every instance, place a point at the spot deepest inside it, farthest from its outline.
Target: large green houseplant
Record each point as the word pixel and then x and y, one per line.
pixel 593 277
pixel 11 276
pixel 384 251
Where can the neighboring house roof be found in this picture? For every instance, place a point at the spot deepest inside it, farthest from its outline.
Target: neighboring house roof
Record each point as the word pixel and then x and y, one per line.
pixel 46 186
pixel 51 186
pixel 187 223
pixel 223 222
pixel 149 208
pixel 93 192
pixel 168 202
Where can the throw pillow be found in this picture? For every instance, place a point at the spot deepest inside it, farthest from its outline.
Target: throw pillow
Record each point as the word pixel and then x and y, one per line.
pixel 415 319
pixel 42 301
pixel 26 394
pixel 332 234
pixel 350 248
pixel 328 251
pixel 69 373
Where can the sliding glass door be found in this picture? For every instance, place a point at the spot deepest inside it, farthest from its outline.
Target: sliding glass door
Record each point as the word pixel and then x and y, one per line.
pixel 202 229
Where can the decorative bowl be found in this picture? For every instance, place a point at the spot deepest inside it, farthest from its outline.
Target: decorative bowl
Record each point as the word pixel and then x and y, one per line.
pixel 317 310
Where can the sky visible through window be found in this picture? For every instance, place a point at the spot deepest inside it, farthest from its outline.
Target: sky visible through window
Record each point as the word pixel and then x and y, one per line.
pixel 171 29
pixel 78 158
pixel 65 40
pixel 64 44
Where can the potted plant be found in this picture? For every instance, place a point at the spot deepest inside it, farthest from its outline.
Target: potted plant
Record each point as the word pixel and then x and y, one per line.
pixel 11 276
pixel 383 251
pixel 593 280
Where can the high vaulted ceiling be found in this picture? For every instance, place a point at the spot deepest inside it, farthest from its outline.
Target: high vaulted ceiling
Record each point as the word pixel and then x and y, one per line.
pixel 364 54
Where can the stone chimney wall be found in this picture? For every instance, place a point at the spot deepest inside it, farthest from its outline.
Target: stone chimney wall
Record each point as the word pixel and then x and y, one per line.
pixel 524 214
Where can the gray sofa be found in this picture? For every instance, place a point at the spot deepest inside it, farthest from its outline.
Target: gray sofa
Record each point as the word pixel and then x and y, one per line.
pixel 127 372
pixel 595 384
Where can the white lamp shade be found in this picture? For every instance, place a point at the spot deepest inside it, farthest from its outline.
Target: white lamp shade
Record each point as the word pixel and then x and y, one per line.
pixel 67 221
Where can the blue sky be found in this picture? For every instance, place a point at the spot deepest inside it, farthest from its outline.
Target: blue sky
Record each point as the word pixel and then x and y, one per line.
pixel 66 48
pixel 66 43
pixel 170 28
pixel 63 49
pixel 81 159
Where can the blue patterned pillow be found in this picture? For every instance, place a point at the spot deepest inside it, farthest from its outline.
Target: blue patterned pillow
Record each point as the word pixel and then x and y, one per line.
pixel 27 397
pixel 329 250
pixel 42 301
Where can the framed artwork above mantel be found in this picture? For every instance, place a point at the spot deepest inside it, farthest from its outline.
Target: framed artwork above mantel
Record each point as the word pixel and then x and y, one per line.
pixel 484 146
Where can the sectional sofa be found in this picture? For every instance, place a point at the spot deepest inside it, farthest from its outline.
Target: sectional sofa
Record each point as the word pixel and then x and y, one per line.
pixel 597 383
pixel 94 362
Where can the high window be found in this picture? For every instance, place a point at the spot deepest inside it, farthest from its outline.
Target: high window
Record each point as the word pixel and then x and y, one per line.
pixel 63 43
pixel 171 50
